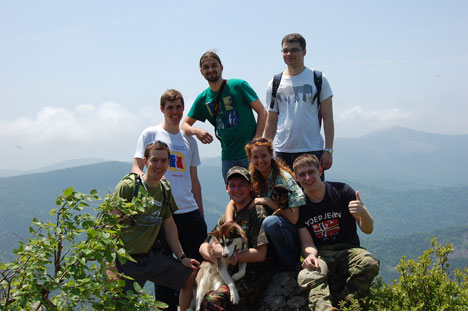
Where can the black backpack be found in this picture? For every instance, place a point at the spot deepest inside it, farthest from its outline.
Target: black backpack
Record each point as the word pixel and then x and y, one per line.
pixel 318 85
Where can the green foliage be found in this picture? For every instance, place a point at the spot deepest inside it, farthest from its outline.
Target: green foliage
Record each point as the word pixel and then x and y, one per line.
pixel 424 285
pixel 63 265
pixel 389 250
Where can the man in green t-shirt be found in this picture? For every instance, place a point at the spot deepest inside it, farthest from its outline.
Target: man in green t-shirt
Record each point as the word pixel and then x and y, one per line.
pixel 233 119
pixel 139 237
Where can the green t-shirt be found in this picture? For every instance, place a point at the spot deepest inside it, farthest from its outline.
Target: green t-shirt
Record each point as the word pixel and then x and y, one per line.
pixel 140 235
pixel 235 119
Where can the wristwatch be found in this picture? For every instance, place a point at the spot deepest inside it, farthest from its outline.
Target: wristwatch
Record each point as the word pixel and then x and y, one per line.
pixel 182 257
pixel 330 150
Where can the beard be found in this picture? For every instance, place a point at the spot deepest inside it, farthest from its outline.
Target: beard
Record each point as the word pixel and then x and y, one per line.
pixel 212 78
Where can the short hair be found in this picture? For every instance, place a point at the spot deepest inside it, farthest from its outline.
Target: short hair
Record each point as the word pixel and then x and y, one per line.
pixel 171 95
pixel 208 54
pixel 159 146
pixel 309 160
pixel 294 37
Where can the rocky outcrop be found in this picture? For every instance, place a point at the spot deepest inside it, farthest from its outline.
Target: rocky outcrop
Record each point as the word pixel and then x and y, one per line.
pixel 284 294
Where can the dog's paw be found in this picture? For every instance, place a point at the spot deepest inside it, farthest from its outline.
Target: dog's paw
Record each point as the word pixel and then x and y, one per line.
pixel 234 296
pixel 238 275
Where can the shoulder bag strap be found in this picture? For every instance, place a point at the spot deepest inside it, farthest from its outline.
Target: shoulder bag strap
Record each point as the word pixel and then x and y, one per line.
pixel 216 107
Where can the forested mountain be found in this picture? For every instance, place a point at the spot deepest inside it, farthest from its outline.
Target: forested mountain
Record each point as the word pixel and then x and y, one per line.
pixel 389 250
pixel 404 190
pixel 401 158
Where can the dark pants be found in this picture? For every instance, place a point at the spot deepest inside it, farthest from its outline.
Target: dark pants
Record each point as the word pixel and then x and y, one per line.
pixel 156 267
pixel 289 159
pixel 192 232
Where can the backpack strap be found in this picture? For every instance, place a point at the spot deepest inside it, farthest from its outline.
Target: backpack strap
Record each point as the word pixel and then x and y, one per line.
pixel 274 88
pixel 216 107
pixel 318 86
pixel 165 189
pixel 166 196
pixel 137 184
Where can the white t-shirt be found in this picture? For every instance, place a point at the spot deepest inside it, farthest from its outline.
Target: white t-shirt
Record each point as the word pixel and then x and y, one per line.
pixel 298 127
pixel 184 154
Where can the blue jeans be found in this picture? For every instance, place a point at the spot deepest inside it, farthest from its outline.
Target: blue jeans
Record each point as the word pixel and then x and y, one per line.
pixel 285 240
pixel 228 164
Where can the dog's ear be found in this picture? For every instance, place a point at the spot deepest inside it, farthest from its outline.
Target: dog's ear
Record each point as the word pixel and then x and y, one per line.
pixel 214 233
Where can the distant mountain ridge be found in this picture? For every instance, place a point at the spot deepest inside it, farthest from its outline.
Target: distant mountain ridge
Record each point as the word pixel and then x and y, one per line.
pixel 4 173
pixel 399 172
pixel 402 157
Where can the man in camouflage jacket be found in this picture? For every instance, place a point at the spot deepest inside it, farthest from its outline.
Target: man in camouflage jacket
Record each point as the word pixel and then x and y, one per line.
pixel 252 286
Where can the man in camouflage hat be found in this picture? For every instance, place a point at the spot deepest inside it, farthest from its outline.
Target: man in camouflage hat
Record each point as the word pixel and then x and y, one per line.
pixel 335 266
pixel 252 286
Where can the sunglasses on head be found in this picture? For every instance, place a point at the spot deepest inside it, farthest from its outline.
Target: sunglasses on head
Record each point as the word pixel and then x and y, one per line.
pixel 160 142
pixel 258 140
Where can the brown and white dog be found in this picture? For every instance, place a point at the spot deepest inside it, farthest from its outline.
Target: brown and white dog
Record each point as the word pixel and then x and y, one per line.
pixel 213 275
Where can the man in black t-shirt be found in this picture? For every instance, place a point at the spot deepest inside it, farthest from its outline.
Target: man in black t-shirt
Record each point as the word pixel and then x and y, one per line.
pixel 335 266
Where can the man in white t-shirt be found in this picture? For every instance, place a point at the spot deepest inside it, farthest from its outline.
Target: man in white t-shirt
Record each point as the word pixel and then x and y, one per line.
pixel 294 119
pixel 183 177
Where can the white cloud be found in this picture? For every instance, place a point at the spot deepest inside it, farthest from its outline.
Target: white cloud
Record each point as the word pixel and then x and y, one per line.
pixel 358 121
pixel 84 124
pixel 388 116
pixel 107 130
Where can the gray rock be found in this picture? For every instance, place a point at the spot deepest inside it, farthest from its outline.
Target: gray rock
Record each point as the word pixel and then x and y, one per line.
pixel 284 294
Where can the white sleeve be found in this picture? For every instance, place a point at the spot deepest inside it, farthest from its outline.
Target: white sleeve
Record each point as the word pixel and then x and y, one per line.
pixel 326 90
pixel 140 148
pixel 195 161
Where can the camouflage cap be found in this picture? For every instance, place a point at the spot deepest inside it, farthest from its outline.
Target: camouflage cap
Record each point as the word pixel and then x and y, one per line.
pixel 239 170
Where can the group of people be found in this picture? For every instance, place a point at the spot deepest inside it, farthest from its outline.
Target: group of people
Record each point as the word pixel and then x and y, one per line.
pixel 283 145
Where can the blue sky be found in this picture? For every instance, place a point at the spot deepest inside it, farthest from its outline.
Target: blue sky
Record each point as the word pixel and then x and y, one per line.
pixel 83 79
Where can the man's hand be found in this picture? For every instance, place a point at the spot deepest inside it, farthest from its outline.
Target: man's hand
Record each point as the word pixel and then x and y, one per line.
pixel 310 262
pixel 216 251
pixel 356 207
pixel 111 272
pixel 190 263
pixel 265 201
pixel 326 160
pixel 204 136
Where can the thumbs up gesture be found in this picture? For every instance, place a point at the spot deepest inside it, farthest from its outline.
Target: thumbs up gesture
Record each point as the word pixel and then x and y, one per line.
pixel 356 207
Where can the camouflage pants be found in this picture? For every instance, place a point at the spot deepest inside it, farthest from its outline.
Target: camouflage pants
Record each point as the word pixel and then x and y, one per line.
pixel 250 288
pixel 345 272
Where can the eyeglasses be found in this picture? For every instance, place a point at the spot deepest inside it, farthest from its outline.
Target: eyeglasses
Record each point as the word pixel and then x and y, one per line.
pixel 292 51
pixel 258 140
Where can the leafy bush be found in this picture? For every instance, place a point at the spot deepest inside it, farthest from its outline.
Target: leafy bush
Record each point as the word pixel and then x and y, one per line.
pixel 424 285
pixel 63 265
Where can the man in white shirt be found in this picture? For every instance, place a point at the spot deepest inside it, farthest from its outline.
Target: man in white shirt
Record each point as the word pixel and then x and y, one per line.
pixel 294 117
pixel 183 177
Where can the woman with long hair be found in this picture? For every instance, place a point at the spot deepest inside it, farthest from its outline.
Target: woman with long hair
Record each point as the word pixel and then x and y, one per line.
pixel 267 172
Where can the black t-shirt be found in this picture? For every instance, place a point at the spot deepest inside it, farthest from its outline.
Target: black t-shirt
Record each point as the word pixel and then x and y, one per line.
pixel 329 221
